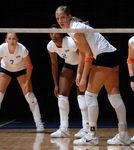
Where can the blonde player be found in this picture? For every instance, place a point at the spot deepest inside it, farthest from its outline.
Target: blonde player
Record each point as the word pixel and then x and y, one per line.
pixel 65 47
pixel 104 72
pixel 130 62
pixel 16 62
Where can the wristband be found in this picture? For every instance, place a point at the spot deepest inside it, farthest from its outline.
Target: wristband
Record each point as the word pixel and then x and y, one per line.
pixel 130 61
pixel 132 79
pixel 29 66
pixel 88 59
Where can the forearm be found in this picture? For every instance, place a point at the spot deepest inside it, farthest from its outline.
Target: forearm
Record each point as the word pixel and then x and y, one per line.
pixel 28 74
pixel 81 63
pixel 86 70
pixel 55 74
pixel 131 69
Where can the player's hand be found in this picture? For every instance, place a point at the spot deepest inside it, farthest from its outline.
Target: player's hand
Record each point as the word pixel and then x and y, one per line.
pixel 56 91
pixel 82 85
pixel 132 85
pixel 26 87
pixel 78 78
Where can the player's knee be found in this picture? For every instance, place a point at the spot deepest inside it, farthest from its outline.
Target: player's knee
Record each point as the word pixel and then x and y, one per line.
pixel 115 100
pixel 91 99
pixel 31 99
pixel 81 102
pixel 63 102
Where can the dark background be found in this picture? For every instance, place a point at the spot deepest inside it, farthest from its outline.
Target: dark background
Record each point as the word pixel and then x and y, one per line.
pixel 41 14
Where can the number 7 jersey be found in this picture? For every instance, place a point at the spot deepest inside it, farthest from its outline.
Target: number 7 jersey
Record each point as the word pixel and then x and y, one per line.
pixel 13 62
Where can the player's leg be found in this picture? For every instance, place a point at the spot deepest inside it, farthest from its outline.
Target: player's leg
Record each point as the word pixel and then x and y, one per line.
pixel 84 114
pixel 32 101
pixel 112 87
pixel 66 81
pixel 4 82
pixel 97 79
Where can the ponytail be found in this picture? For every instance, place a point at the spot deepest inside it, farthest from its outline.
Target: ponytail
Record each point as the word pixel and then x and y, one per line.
pixel 80 20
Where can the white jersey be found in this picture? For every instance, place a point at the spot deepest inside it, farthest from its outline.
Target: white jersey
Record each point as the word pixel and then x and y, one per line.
pixel 67 52
pixel 13 62
pixel 96 41
pixel 131 42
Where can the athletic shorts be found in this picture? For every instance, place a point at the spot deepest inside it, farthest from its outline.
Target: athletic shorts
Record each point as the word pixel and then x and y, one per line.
pixel 109 59
pixel 71 67
pixel 13 74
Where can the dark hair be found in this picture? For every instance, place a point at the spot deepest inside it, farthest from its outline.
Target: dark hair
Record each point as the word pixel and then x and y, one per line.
pixel 66 10
pixel 57 26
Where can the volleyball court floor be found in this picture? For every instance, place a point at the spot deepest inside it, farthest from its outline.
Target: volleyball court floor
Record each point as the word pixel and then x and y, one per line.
pixel 21 135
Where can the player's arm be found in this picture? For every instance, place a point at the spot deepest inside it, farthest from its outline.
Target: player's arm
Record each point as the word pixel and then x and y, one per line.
pixel 29 65
pixel 130 62
pixel 84 47
pixel 54 67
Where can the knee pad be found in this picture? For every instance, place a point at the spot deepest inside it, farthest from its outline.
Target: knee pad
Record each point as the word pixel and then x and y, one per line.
pixel 31 99
pixel 91 99
pixel 63 102
pixel 81 102
pixel 115 100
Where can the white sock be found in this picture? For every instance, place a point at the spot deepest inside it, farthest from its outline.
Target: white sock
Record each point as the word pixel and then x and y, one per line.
pixel 84 111
pixel 34 107
pixel 63 110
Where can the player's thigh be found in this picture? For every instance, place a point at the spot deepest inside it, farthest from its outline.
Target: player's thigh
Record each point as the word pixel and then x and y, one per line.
pixel 67 78
pixel 97 78
pixel 4 82
pixel 112 83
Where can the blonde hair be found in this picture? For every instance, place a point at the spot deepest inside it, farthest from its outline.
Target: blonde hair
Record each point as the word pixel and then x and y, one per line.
pixel 66 10
pixel 11 33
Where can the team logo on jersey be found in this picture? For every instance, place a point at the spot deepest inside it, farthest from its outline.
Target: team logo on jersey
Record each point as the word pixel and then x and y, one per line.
pixel 64 56
pixel 18 56
pixel 67 50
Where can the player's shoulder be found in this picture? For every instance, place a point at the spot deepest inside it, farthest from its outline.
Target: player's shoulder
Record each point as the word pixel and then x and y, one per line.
pixel 68 40
pixel 21 45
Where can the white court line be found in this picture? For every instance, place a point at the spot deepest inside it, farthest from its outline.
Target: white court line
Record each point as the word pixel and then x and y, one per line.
pixel 7 123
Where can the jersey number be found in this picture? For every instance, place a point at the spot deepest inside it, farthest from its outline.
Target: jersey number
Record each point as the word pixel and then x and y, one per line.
pixel 12 61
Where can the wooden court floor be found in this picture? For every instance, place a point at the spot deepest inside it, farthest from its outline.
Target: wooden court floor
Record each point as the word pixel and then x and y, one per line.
pixel 28 139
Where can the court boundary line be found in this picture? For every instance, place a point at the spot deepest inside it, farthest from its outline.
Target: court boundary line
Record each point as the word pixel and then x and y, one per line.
pixel 7 123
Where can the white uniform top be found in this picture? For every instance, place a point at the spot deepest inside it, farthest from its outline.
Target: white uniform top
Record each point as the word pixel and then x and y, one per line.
pixel 96 41
pixel 13 62
pixel 67 52
pixel 131 42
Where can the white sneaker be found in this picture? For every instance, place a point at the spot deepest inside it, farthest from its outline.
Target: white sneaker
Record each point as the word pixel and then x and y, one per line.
pixel 60 133
pixel 40 127
pixel 88 139
pixel 120 138
pixel 81 133
pixel 132 139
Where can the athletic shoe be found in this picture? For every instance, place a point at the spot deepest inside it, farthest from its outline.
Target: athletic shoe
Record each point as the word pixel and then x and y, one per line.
pixel 40 127
pixel 81 133
pixel 132 139
pixel 120 139
pixel 88 139
pixel 61 133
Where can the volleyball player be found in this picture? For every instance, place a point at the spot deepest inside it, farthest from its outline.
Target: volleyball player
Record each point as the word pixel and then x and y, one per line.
pixel 65 47
pixel 104 72
pixel 16 63
pixel 130 62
